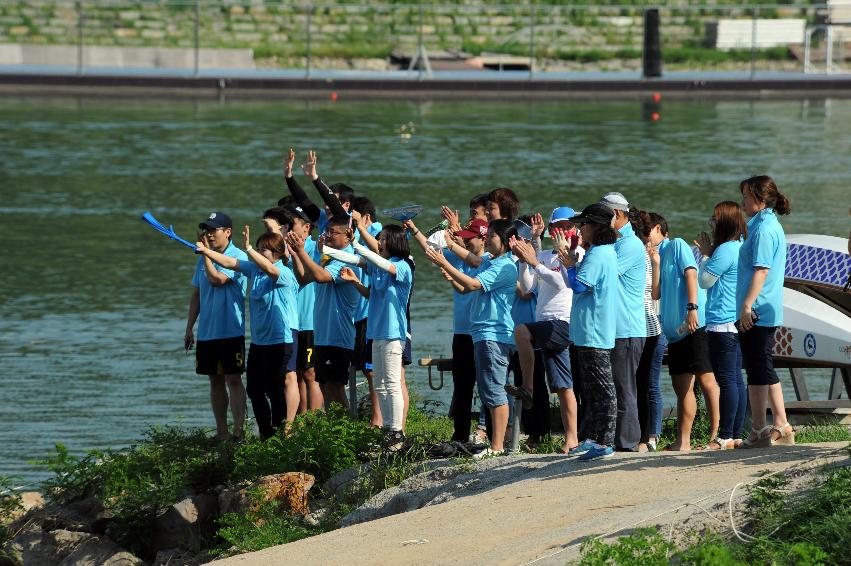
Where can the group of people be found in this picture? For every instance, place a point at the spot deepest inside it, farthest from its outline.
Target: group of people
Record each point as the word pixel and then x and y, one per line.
pixel 587 317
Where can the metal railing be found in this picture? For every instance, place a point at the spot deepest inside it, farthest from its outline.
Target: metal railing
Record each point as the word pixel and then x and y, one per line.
pixel 311 36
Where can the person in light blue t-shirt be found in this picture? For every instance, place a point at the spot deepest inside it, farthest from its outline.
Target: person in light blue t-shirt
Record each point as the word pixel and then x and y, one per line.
pixel 272 386
pixel 336 303
pixel 682 303
pixel 759 298
pixel 593 327
pixel 387 325
pixel 717 274
pixel 631 322
pixel 491 325
pixel 218 304
pixel 464 365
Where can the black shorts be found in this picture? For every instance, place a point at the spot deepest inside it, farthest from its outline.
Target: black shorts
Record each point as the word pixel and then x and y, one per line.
pixel 291 360
pixel 267 364
pixel 757 346
pixel 407 358
pixel 332 364
pixel 224 356
pixel 551 335
pixel 690 354
pixel 304 357
pixel 363 348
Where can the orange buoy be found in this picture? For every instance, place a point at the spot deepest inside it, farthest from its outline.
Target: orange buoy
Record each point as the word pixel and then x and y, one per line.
pixel 334 96
pixel 655 116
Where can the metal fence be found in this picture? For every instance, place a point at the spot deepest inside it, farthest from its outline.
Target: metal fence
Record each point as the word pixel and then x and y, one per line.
pixel 199 34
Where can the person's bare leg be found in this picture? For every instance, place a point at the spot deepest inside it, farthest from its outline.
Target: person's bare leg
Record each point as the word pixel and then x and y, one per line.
pixel 775 401
pixel 377 419
pixel 686 408
pixel 238 402
pixel 291 394
pixel 302 393
pixel 758 398
pixel 712 397
pixel 219 404
pixel 567 408
pixel 499 419
pixel 315 399
pixel 526 355
pixel 405 400
pixel 335 393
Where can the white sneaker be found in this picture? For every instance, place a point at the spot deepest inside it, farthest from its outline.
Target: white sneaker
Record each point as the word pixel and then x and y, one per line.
pixel 487 453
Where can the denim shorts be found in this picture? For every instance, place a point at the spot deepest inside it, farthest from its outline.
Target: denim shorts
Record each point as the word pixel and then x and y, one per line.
pixel 559 370
pixel 492 360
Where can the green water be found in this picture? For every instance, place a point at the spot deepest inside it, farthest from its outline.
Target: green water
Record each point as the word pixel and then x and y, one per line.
pixel 94 301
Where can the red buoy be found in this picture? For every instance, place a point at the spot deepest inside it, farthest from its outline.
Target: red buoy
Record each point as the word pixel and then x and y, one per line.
pixel 657 97
pixel 655 116
pixel 334 96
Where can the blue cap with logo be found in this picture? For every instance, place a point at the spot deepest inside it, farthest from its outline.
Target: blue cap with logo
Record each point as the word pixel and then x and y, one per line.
pixel 216 220
pixel 561 214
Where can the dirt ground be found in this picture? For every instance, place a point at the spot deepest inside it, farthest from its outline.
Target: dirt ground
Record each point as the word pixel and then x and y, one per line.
pixel 542 507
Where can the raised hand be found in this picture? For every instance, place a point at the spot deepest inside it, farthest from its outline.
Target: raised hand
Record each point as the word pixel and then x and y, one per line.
pixel 653 251
pixel 295 241
pixel 200 247
pixel 309 166
pixel 537 225
pixel 347 274
pixel 288 163
pixel 246 237
pixel 560 240
pixel 524 252
pixel 446 274
pixel 409 224
pixel 451 216
pixel 356 217
pixel 567 257
pixel 704 244
pixel 435 256
pixel 451 237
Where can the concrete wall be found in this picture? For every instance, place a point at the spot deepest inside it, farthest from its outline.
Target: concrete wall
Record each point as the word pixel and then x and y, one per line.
pixel 99 56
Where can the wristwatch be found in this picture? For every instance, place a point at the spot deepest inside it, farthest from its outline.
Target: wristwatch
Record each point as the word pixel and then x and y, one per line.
pixel 691 307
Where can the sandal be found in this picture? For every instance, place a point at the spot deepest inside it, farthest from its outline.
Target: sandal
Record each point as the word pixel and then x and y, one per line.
pixel 722 443
pixel 786 432
pixel 520 393
pixel 762 440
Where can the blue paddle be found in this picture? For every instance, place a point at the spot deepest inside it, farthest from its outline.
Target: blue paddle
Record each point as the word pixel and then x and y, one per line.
pixel 149 218
pixel 402 213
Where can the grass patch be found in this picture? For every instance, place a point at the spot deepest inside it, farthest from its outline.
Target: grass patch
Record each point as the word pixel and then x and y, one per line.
pixel 824 430
pixel 809 527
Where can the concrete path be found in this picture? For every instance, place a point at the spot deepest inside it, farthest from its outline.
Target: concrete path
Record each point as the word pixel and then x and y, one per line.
pixel 542 516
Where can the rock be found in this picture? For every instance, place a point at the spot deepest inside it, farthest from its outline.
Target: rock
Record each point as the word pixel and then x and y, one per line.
pixel 175 557
pixel 31 546
pixel 100 551
pixel 66 541
pixel 28 501
pixel 87 515
pixel 186 523
pixel 289 489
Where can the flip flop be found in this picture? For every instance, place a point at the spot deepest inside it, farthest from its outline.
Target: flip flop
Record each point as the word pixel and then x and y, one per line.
pixel 520 393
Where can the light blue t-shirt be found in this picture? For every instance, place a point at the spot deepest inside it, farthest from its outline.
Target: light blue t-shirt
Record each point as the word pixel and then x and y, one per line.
pixel 388 301
pixel 271 303
pixel 764 247
pixel 675 256
pixel 632 278
pixel 363 307
pixel 306 297
pixel 222 312
pixel 593 313
pixel 336 303
pixel 490 309
pixel 523 310
pixel 461 301
pixel 721 297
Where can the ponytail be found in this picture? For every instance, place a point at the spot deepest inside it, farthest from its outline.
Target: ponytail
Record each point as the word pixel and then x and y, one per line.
pixel 764 190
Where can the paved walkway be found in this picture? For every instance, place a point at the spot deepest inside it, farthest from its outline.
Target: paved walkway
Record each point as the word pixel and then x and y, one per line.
pixel 544 518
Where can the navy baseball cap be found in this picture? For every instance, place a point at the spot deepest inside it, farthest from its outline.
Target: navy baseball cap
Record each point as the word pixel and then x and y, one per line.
pixel 216 220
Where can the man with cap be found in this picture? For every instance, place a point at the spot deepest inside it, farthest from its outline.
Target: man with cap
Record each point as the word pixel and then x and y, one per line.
pixel 631 324
pixel 218 304
pixel 550 332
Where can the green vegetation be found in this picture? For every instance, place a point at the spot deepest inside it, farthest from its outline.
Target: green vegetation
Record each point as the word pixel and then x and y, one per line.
pixel 10 502
pixel 811 526
pixel 138 483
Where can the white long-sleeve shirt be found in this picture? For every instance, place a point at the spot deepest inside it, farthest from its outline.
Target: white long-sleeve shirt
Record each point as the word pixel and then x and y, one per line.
pixel 554 296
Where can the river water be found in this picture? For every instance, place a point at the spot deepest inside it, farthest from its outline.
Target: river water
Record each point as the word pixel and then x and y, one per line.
pixel 94 301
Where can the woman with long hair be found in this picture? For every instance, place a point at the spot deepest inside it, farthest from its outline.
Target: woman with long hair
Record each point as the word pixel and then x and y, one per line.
pixel 717 274
pixel 759 298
